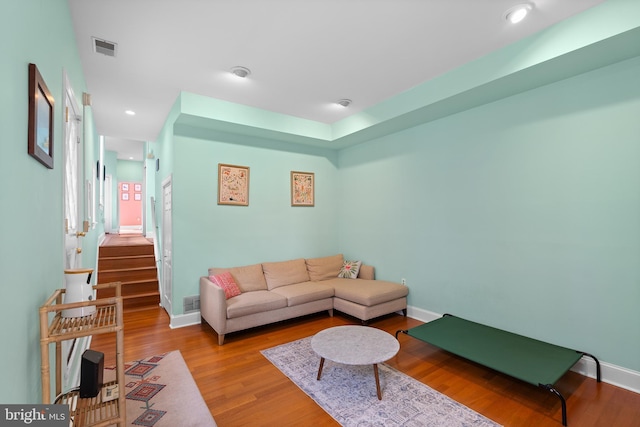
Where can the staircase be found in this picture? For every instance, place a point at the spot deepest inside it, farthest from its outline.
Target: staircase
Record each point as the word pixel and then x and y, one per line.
pixel 130 260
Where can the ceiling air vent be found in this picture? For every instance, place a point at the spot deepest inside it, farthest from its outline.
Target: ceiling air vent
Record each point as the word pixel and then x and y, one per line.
pixel 104 47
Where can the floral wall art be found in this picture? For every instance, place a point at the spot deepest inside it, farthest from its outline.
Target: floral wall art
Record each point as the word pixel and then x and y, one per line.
pixel 233 185
pixel 302 189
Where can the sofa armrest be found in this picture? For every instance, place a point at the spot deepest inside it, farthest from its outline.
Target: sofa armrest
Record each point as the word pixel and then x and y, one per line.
pixel 367 272
pixel 213 305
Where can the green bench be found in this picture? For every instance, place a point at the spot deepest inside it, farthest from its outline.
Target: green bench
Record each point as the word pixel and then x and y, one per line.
pixel 533 361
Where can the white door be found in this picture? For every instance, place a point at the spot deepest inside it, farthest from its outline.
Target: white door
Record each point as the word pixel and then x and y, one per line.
pixel 166 245
pixel 72 180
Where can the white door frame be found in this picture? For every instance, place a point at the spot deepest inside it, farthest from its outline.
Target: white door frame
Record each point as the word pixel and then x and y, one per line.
pixel 72 229
pixel 167 258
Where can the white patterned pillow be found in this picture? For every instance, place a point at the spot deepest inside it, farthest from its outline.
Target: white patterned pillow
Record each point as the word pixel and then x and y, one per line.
pixel 350 269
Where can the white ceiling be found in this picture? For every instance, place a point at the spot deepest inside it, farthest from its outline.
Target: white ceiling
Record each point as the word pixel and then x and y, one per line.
pixel 304 54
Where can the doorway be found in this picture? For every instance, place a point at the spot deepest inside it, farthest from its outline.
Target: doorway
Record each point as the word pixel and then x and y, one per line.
pixel 130 207
pixel 74 226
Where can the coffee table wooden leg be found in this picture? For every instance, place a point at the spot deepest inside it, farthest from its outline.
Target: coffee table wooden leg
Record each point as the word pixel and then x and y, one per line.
pixel 320 369
pixel 375 372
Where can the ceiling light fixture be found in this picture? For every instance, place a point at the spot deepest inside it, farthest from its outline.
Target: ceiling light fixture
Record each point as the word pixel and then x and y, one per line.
pixel 518 13
pixel 241 72
pixel 130 112
pixel 344 102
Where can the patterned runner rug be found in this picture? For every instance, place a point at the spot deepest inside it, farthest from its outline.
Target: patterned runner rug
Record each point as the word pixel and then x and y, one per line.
pixel 348 393
pixel 162 393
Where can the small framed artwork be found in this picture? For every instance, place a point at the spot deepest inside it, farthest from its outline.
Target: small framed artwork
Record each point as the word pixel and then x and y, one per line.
pixel 40 140
pixel 302 188
pixel 125 196
pixel 137 187
pixel 233 185
pixel 137 196
pixel 125 187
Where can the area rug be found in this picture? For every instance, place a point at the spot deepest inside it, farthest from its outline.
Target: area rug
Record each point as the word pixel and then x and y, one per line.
pixel 348 393
pixel 162 393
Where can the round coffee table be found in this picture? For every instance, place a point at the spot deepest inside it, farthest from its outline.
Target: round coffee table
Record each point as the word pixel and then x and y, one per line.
pixel 355 345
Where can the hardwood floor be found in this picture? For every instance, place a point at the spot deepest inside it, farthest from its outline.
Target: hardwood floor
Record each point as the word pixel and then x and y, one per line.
pixel 242 388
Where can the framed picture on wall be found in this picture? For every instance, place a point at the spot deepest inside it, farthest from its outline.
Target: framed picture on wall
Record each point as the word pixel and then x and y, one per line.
pixel 137 187
pixel 40 134
pixel 137 196
pixel 302 188
pixel 125 187
pixel 125 196
pixel 233 185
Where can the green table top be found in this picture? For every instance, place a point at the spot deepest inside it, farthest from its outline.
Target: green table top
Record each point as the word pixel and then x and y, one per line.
pixel 527 359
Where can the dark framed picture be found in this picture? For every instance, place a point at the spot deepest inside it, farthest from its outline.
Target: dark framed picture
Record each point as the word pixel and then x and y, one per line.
pixel 40 144
pixel 302 188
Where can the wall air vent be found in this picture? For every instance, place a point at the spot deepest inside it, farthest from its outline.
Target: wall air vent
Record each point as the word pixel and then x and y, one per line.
pixel 191 304
pixel 104 47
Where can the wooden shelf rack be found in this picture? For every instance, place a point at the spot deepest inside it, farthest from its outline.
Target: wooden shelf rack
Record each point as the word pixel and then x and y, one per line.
pixel 108 318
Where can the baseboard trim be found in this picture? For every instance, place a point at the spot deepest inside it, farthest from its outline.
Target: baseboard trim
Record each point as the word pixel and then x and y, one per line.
pixel 610 373
pixel 182 320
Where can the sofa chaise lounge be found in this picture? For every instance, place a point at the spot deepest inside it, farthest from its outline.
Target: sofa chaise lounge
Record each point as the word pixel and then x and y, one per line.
pixel 254 295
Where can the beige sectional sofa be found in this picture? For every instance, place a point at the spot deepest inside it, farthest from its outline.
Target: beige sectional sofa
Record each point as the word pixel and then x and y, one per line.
pixel 275 291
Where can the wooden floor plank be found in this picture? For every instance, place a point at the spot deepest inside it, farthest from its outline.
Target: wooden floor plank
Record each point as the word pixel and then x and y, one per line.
pixel 242 388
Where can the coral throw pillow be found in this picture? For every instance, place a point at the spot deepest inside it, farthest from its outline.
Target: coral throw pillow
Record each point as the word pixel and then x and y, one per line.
pixel 350 269
pixel 226 282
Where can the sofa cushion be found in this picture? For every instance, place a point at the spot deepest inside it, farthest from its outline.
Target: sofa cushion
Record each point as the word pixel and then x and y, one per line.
pixel 367 292
pixel 226 282
pixel 285 273
pixel 367 272
pixel 248 278
pixel 300 293
pixel 324 268
pixel 350 269
pixel 254 302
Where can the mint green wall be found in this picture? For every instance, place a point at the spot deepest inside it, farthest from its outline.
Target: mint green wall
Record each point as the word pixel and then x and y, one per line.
pixel 522 214
pixel 150 184
pixel 206 234
pixel 498 194
pixel 129 171
pixel 164 152
pixel 111 164
pixel 31 256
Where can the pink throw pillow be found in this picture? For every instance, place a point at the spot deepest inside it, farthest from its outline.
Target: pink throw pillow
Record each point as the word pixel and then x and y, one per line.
pixel 226 282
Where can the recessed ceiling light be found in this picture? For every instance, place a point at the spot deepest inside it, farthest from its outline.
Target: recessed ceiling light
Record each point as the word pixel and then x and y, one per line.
pixel 518 13
pixel 344 102
pixel 130 112
pixel 241 71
